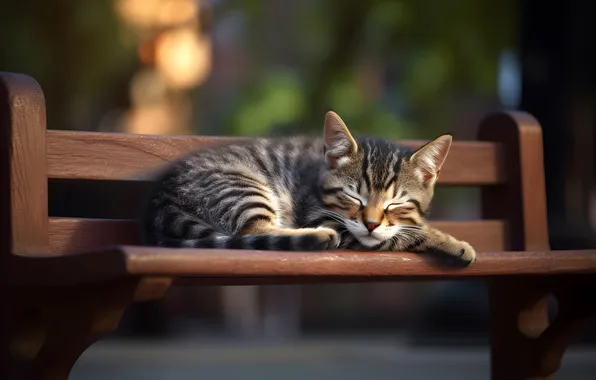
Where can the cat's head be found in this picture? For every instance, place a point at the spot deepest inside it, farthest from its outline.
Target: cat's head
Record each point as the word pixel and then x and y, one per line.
pixel 378 188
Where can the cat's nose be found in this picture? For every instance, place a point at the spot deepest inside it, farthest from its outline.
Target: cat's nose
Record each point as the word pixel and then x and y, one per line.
pixel 370 226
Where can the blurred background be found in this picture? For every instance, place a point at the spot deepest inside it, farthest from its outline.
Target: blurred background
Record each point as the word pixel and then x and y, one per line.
pixel 391 68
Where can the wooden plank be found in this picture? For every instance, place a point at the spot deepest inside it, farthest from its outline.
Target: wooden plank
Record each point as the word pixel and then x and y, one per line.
pixel 72 235
pixel 232 267
pixel 116 156
pixel 23 180
pixel 146 260
pixel 524 194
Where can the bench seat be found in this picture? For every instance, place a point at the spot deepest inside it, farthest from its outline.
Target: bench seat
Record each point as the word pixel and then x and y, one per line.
pixel 235 267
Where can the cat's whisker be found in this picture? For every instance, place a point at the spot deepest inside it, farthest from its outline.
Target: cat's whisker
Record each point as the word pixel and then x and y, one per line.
pixel 337 217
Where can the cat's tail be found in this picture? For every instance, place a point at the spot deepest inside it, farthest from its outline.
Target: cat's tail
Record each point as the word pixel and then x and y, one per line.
pixel 303 242
pixel 176 229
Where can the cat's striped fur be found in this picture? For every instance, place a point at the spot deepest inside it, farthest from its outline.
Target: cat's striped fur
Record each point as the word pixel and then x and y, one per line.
pixel 303 194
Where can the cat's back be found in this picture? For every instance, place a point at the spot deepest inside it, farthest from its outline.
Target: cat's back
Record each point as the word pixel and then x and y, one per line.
pixel 210 182
pixel 267 157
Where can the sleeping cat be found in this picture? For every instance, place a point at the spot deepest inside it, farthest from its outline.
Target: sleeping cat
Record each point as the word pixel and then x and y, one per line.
pixel 338 192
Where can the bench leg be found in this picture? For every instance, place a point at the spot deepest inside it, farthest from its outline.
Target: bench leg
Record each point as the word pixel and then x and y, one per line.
pixel 63 323
pixel 517 315
pixel 525 344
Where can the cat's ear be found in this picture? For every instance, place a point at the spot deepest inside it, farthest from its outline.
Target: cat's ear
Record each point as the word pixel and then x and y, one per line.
pixel 429 159
pixel 339 143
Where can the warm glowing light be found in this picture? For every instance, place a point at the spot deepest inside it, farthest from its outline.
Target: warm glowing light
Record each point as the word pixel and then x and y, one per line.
pixel 155 110
pixel 146 51
pixel 174 55
pixel 175 12
pixel 138 12
pixel 147 87
pixel 157 13
pixel 183 57
pixel 155 120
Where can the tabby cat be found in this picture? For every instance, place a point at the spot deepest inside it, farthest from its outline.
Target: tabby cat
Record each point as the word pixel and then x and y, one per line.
pixel 303 194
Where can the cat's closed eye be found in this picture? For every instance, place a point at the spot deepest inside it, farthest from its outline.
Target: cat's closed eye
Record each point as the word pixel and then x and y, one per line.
pixel 353 198
pixel 401 207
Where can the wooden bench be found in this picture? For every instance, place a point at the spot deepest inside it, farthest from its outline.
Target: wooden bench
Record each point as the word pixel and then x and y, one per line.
pixel 66 281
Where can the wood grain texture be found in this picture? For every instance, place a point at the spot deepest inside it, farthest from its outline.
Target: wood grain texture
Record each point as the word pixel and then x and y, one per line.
pixel 532 181
pixel 74 235
pixel 116 156
pixel 23 191
pixel 222 267
pixel 522 200
pixel 24 196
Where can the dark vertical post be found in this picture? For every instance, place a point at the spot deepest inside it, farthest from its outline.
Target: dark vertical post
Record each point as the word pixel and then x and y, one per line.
pixel 558 56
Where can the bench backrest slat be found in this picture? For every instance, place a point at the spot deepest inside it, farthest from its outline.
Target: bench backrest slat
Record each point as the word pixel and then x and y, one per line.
pixel 71 235
pixel 120 156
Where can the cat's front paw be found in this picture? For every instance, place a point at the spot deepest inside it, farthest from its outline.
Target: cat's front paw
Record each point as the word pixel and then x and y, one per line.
pixel 466 254
pixel 327 237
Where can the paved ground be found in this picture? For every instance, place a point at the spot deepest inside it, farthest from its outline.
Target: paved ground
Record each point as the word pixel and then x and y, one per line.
pixel 345 359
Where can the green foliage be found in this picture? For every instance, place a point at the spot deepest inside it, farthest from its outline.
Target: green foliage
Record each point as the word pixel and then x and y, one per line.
pixel 393 68
pixel 275 99
pixel 72 48
pixel 435 50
